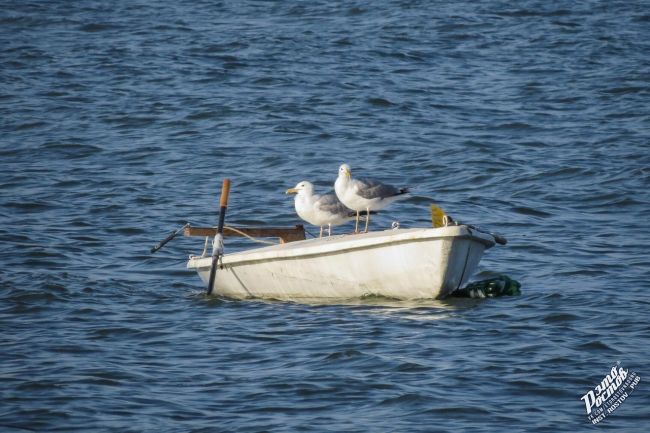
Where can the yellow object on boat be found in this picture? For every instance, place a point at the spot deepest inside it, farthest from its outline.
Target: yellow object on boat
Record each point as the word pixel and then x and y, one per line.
pixel 438 216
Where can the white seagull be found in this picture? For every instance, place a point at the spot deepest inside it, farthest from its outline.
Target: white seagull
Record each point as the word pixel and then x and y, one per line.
pixel 364 194
pixel 320 210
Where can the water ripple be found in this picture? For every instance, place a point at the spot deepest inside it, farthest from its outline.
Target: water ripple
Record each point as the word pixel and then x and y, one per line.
pixel 119 121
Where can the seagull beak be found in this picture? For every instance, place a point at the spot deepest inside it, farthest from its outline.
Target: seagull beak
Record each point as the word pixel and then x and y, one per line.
pixel 348 173
pixel 292 191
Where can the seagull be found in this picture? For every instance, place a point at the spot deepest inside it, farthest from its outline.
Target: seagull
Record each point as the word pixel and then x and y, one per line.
pixel 320 210
pixel 364 194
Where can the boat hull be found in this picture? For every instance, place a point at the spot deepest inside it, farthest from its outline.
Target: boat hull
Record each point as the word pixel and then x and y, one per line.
pixel 401 264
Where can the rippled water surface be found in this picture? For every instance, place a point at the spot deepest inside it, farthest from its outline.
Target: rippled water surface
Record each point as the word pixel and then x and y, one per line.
pixel 118 121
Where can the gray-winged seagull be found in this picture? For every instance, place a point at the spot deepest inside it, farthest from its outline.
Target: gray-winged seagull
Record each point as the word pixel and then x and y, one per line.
pixel 320 210
pixel 364 194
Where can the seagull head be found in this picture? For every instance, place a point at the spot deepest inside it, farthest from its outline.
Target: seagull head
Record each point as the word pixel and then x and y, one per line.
pixel 344 171
pixel 304 186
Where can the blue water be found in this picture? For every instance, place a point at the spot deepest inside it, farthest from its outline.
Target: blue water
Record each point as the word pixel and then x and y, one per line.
pixel 118 121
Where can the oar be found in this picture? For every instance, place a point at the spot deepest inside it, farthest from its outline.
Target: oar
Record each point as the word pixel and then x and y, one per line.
pixel 217 246
pixel 168 238
pixel 497 237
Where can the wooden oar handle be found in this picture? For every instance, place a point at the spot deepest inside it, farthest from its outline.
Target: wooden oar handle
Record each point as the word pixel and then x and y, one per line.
pixel 225 190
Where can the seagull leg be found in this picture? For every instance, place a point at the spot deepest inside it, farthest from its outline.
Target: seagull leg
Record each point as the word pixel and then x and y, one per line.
pixel 367 218
pixel 356 223
pixel 321 232
pixel 329 230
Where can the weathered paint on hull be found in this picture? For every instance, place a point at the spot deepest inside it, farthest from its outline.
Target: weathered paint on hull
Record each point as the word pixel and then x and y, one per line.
pixel 401 264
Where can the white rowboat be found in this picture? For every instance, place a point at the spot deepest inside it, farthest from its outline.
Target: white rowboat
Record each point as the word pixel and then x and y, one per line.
pixel 416 263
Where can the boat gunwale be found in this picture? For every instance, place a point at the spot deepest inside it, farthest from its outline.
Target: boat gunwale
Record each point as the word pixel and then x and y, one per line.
pixel 461 232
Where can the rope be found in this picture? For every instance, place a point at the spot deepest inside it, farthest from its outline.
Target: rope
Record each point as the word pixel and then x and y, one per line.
pixel 250 237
